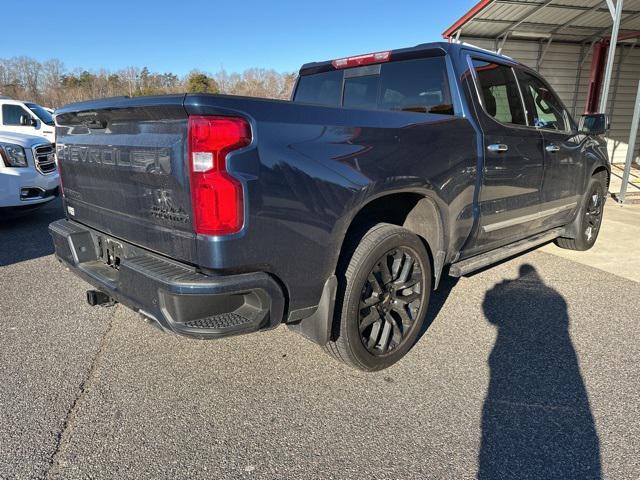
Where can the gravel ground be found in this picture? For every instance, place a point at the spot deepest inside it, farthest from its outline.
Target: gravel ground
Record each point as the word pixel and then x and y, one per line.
pixel 528 370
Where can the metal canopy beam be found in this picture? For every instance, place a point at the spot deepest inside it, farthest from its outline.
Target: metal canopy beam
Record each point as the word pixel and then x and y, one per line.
pixel 592 33
pixel 612 8
pixel 624 53
pixel 542 52
pixel 631 148
pixel 583 13
pixel 504 40
pixel 613 43
pixel 568 29
pixel 533 25
pixel 579 8
pixel 623 21
pixel 583 55
pixel 524 17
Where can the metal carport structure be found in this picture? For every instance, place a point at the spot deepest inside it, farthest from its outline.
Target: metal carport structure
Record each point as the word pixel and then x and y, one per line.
pixel 585 48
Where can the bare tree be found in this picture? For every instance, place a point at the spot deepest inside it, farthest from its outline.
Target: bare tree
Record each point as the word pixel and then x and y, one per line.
pixel 51 84
pixel 130 75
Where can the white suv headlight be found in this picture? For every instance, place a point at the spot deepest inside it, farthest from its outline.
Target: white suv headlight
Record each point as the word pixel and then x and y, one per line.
pixel 13 155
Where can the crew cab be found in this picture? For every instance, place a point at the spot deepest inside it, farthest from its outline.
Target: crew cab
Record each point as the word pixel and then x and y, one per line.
pixel 336 213
pixel 28 172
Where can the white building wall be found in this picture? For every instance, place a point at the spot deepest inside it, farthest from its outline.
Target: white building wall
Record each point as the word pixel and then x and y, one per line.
pixel 560 66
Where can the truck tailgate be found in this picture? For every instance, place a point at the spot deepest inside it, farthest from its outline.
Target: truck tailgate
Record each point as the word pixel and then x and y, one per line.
pixel 124 171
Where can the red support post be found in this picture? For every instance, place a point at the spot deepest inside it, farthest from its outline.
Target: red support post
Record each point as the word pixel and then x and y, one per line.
pixel 598 61
pixel 598 58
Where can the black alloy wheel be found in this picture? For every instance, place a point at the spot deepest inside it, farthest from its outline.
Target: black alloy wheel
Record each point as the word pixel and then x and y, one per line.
pixel 588 222
pixel 390 301
pixel 593 212
pixel 382 299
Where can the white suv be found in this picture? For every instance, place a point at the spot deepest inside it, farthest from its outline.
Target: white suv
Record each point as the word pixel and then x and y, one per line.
pixel 28 171
pixel 26 117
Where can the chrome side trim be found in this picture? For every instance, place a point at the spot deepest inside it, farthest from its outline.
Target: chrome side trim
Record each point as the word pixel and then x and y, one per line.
pixel 527 218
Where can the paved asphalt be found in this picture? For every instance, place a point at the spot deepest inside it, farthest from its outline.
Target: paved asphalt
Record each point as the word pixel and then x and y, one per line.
pixel 528 370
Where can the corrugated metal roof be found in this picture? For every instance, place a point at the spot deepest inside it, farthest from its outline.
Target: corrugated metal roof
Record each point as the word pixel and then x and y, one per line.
pixel 564 20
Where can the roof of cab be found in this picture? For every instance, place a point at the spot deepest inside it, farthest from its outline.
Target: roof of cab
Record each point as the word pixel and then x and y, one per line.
pixel 422 50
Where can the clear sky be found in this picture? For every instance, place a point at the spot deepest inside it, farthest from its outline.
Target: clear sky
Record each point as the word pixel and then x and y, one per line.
pixel 181 35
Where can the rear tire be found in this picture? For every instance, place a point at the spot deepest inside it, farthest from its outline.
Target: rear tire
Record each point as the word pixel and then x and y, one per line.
pixel 382 299
pixel 589 218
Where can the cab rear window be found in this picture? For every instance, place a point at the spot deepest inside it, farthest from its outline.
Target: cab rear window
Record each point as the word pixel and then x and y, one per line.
pixel 361 92
pixel 320 89
pixel 420 85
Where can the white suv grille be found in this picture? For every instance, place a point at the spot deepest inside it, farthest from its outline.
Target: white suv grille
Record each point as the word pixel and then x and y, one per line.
pixel 45 158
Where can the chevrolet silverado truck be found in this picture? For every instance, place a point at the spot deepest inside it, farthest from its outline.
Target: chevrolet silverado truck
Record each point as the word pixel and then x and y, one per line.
pixel 336 213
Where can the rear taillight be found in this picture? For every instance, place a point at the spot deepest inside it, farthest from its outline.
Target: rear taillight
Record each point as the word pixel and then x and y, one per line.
pixel 367 59
pixel 217 201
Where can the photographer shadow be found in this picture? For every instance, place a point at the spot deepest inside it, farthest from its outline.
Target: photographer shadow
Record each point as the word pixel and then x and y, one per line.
pixel 536 419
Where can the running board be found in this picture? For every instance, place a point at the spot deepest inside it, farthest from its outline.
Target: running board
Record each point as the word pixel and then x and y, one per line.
pixel 480 261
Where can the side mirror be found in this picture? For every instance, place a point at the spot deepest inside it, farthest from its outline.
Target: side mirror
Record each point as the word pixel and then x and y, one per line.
pixel 594 124
pixel 28 121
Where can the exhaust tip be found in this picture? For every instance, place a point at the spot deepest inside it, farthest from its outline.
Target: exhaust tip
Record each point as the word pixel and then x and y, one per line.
pixel 96 297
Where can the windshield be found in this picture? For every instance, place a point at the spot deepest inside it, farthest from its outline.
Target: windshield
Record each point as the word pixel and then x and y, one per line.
pixel 41 113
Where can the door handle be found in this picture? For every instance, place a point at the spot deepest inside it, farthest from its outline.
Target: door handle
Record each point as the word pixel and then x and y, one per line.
pixel 552 148
pixel 498 148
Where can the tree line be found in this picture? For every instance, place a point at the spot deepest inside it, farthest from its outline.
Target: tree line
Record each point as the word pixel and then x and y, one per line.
pixel 50 84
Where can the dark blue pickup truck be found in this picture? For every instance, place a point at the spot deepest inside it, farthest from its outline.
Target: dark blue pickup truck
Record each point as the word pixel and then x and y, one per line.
pixel 336 213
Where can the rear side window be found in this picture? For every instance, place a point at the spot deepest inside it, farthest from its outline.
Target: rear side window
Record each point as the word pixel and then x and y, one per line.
pixel 499 91
pixel 320 89
pixel 420 85
pixel 544 108
pixel 416 86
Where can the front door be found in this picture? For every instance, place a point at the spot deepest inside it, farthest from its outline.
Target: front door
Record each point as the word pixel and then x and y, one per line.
pixel 510 196
pixel 564 167
pixel 11 115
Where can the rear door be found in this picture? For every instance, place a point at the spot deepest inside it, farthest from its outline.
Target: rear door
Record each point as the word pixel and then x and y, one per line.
pixel 564 167
pixel 510 195
pixel 124 171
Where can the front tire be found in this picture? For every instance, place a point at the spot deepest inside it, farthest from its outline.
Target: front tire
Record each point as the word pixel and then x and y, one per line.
pixel 589 218
pixel 382 300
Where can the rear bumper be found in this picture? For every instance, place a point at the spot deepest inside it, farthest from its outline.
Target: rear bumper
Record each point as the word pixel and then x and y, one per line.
pixel 175 295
